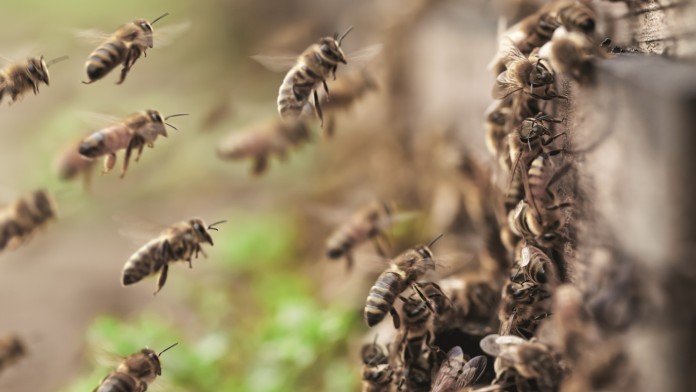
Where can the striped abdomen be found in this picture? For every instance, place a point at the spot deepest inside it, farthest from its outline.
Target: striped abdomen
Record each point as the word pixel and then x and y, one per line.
pixel 146 261
pixel 105 58
pixel 377 378
pixel 537 180
pixel 121 382
pixel 106 141
pixel 295 91
pixel 382 296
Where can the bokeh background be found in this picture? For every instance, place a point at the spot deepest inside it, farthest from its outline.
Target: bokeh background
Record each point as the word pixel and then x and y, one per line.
pixel 266 311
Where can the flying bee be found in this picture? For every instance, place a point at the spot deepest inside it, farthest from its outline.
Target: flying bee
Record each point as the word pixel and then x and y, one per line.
pixel 540 220
pixel 17 78
pixel 12 349
pixel 134 132
pixel 345 92
pixel 71 164
pixel 531 75
pixel 369 223
pixel 181 241
pixel 457 373
pixel 134 373
pixel 377 374
pixel 530 359
pixel 262 141
pixel 404 271
pixel 21 219
pixel 310 69
pixel 125 46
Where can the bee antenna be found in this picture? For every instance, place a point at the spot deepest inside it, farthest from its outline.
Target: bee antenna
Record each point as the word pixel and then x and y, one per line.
pixel 158 18
pixel 344 35
pixel 167 349
pixel 435 240
pixel 212 225
pixel 176 115
pixel 175 128
pixel 57 60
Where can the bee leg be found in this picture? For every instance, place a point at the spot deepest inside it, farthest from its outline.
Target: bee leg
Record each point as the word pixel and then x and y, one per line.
pixel 333 70
pixel 317 108
pixel 189 263
pixel 326 88
pixel 162 278
pixel 395 317
pixel 109 163
pixel 330 126
pixel 349 260
pixel 425 299
pixel 260 165
pixel 136 141
pixel 140 152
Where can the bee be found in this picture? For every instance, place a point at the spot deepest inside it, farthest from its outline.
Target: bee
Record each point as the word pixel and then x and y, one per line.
pixel 261 141
pixel 12 349
pixel 522 307
pixel 457 373
pixel 536 267
pixel 125 46
pixel 368 223
pixel 344 94
pixel 497 117
pixel 134 373
pixel 134 132
pixel 71 164
pixel 472 304
pixel 21 219
pixel 403 272
pixel 578 16
pixel 540 220
pixel 17 78
pixel 418 319
pixel 571 53
pixel 377 374
pixel 531 75
pixel 181 241
pixel 529 360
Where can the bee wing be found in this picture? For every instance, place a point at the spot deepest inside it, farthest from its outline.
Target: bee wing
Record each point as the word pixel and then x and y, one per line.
pixel 96 120
pixel 91 36
pixel 166 35
pixel 472 371
pixel 443 380
pixel 136 230
pixel 276 63
pixel 490 345
pixel 504 86
pixel 359 58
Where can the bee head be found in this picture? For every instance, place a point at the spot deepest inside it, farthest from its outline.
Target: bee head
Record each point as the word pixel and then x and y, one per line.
pixel 37 69
pixel 153 358
pixel 146 28
pixel 155 116
pixel 424 252
pixel 93 146
pixel 331 50
pixel 199 231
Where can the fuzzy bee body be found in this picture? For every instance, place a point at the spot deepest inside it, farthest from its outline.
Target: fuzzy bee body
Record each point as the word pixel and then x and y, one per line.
pixel 134 373
pixel 180 242
pixel 135 132
pixel 19 77
pixel 21 219
pixel 377 378
pixel 125 46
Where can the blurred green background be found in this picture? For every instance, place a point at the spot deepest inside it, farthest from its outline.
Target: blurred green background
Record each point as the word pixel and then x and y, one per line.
pixel 266 311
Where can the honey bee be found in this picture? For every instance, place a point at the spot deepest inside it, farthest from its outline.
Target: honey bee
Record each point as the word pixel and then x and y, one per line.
pixel 262 141
pixel 457 373
pixel 71 164
pixel 497 117
pixel 530 360
pixel 134 132
pixel 368 223
pixel 181 241
pixel 522 307
pixel 12 349
pixel 418 320
pixel 344 94
pixel 472 304
pixel 540 220
pixel 125 46
pixel 531 75
pixel 571 53
pixel 310 69
pixel 134 373
pixel 536 267
pixel 377 374
pixel 21 219
pixel 17 78
pixel 403 272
